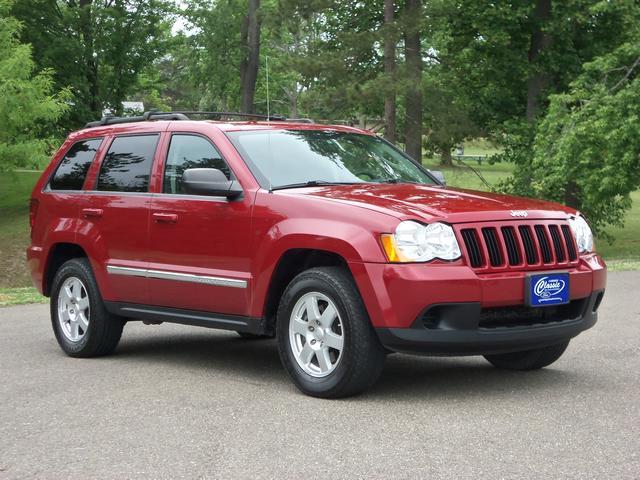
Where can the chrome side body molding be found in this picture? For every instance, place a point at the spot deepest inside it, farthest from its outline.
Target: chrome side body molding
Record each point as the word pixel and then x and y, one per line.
pixel 176 276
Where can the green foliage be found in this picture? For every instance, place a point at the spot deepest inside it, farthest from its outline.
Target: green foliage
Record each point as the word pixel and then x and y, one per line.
pixel 587 148
pixel 27 100
pixel 448 121
pixel 95 48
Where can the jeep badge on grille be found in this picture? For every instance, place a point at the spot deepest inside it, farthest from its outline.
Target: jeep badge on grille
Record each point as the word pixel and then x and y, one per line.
pixel 519 213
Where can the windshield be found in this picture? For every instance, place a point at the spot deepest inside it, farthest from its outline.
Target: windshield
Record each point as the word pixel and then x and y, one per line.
pixel 294 158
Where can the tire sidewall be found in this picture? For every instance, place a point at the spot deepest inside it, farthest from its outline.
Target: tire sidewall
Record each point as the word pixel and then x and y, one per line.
pixel 73 268
pixel 308 383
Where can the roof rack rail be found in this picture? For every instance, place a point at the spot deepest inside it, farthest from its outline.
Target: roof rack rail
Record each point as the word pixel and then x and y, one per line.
pixel 273 118
pixel 300 120
pixel 146 116
pixel 185 115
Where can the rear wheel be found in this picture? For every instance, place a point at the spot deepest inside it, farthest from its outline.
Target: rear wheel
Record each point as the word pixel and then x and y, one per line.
pixel 81 323
pixel 529 359
pixel 325 339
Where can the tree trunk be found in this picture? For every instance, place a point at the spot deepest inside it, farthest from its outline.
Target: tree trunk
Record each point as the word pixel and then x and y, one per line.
pixel 445 156
pixel 390 72
pixel 413 99
pixel 292 94
pixel 293 106
pixel 541 40
pixel 91 64
pixel 249 66
pixel 572 195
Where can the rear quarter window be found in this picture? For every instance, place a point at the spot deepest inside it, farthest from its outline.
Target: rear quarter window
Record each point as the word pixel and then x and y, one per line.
pixel 74 166
pixel 127 165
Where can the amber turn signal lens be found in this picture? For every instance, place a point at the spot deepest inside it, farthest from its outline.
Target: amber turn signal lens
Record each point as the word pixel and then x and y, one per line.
pixel 389 246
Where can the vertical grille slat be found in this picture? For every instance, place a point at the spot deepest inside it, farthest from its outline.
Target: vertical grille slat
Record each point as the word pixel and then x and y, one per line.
pixel 568 241
pixel 513 252
pixel 543 241
pixel 529 247
pixel 491 240
pixel 557 243
pixel 472 243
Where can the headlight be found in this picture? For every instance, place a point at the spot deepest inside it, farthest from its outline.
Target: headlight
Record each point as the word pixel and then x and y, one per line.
pixel 415 242
pixel 582 232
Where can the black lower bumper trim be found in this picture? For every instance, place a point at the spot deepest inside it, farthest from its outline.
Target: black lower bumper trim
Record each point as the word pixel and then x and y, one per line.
pixel 458 331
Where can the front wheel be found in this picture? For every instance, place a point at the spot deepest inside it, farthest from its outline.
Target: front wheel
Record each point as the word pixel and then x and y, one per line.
pixel 529 359
pixel 325 339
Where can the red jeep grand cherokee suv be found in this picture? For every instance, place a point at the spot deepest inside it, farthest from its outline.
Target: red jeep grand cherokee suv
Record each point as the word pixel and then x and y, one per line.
pixel 326 237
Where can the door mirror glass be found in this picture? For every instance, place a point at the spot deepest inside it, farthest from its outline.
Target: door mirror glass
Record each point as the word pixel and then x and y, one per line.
pixel 438 175
pixel 209 181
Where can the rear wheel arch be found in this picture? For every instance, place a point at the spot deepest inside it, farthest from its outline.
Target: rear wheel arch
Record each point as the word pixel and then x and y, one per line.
pixel 58 255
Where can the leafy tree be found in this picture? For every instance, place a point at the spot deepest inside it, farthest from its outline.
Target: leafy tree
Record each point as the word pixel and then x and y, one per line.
pixel 587 148
pixel 27 99
pixel 96 48
pixel 447 120
pixel 215 52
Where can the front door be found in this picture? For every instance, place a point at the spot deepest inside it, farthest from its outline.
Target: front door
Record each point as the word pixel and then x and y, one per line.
pixel 198 245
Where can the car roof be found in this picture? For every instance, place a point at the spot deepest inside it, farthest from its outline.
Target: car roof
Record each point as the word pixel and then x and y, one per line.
pixel 224 126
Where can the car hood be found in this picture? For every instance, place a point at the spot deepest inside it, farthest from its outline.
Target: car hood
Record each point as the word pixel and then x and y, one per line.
pixel 432 203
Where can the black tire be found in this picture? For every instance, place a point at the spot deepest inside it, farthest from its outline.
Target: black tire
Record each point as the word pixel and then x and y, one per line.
pixel 529 359
pixel 104 329
pixel 253 336
pixel 362 355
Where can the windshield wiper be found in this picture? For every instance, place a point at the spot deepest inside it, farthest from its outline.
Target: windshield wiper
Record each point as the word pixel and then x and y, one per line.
pixel 310 183
pixel 392 180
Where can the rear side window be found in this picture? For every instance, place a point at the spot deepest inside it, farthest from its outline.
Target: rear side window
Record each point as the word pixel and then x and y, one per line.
pixel 189 151
pixel 127 165
pixel 73 168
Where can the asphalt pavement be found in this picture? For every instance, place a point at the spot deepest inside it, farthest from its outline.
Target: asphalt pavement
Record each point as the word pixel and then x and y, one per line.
pixel 188 402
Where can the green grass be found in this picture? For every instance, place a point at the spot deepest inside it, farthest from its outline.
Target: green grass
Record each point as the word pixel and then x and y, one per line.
pixel 627 239
pixel 462 175
pixel 15 190
pixel 20 296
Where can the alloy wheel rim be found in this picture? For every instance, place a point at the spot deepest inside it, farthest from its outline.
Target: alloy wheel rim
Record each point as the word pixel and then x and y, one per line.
pixel 73 309
pixel 316 334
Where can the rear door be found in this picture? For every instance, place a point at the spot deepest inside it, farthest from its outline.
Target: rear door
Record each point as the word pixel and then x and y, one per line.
pixel 199 246
pixel 116 212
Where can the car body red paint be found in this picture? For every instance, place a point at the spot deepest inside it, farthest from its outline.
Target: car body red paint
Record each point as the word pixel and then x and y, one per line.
pixel 244 240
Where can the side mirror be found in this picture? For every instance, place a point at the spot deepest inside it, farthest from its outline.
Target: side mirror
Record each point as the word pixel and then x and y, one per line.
pixel 210 181
pixel 439 176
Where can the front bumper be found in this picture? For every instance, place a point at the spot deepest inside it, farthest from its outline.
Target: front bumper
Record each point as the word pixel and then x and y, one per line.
pixel 398 295
pixel 468 329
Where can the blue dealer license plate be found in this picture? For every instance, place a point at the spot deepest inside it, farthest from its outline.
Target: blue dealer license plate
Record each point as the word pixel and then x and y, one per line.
pixel 547 289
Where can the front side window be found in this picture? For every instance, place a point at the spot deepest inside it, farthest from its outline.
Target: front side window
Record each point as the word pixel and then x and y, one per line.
pixel 289 158
pixel 73 168
pixel 190 151
pixel 127 165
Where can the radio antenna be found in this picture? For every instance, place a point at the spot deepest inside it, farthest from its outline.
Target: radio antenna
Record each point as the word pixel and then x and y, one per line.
pixel 266 65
